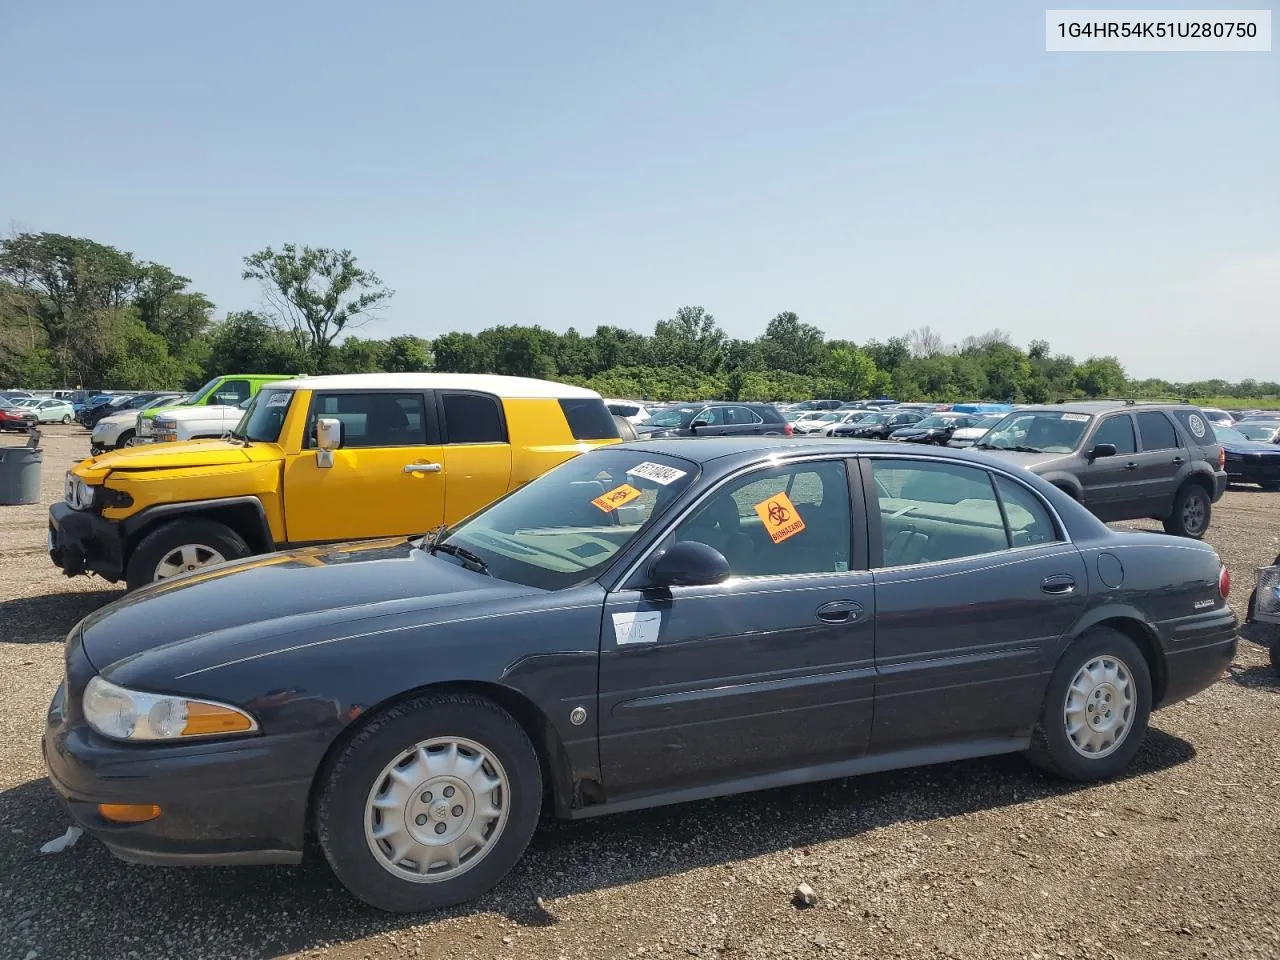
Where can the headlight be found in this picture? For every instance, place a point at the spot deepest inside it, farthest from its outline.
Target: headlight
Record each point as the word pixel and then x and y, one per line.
pixel 129 715
pixel 79 495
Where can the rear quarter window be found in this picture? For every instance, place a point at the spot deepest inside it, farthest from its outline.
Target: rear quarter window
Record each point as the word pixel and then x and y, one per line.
pixel 590 419
pixel 1197 426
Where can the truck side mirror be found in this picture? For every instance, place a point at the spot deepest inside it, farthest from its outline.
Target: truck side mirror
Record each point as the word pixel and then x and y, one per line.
pixel 328 439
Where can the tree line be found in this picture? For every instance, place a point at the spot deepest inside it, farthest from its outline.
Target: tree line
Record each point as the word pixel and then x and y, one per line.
pixel 77 312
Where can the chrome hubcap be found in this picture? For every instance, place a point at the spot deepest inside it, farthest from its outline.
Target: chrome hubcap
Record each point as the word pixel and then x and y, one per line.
pixel 1099 707
pixel 436 810
pixel 184 559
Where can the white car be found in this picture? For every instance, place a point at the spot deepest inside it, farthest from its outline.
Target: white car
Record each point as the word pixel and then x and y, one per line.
pixel 195 423
pixel 628 410
pixel 814 422
pixel 50 410
pixel 119 429
pixel 968 436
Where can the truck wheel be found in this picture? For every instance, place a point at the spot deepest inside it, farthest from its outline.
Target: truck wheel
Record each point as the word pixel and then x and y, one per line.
pixel 431 803
pixel 181 546
pixel 1095 708
pixel 1191 511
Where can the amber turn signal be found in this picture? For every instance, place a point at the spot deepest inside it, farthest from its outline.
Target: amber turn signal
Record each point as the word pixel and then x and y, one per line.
pixel 204 719
pixel 129 812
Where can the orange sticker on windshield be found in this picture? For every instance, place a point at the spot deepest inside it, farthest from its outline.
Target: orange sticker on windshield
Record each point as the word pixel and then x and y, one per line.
pixel 780 517
pixel 615 498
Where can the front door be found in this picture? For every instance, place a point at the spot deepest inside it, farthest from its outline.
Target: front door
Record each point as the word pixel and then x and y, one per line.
pixel 1107 484
pixel 772 669
pixel 970 606
pixel 386 478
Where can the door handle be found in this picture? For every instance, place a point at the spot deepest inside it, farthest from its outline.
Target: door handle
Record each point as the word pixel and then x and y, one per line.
pixel 1131 465
pixel 1058 586
pixel 422 468
pixel 1177 459
pixel 839 611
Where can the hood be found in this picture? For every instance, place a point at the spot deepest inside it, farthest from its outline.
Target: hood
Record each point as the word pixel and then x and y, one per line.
pixel 124 419
pixel 1028 461
pixel 918 432
pixel 1250 447
pixel 195 413
pixel 277 600
pixel 159 456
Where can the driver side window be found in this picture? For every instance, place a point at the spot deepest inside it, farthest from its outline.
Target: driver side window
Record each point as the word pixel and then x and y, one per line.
pixel 1117 429
pixel 782 521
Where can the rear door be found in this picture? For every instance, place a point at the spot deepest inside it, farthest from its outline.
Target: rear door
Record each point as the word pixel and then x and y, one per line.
pixel 1160 458
pixel 742 421
pixel 386 478
pixel 477 451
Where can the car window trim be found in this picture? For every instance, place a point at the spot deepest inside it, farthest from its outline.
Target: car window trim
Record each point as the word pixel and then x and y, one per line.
pixel 443 421
pixel 645 550
pixel 875 535
pixel 428 410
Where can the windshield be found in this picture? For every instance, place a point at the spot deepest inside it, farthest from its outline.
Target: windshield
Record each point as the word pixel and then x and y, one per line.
pixel 872 418
pixel 1221 433
pixel 264 416
pixel 1038 432
pixel 203 392
pixel 676 417
pixel 1255 429
pixel 938 423
pixel 568 525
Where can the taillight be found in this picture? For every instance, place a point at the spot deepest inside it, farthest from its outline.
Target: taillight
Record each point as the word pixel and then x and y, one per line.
pixel 1224 582
pixel 787 430
pixel 1222 458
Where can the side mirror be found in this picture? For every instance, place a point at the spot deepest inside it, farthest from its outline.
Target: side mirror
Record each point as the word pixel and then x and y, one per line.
pixel 328 439
pixel 1102 450
pixel 689 563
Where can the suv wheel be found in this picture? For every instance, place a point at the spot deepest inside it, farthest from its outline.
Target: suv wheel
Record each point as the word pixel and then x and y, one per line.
pixel 180 547
pixel 1191 511
pixel 1095 710
pixel 431 803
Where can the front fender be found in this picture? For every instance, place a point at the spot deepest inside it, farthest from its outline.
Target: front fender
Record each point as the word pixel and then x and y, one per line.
pixel 1067 482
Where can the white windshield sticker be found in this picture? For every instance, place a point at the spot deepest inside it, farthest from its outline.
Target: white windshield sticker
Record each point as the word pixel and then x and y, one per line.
pixel 637 627
pixel 656 472
pixel 1076 417
pixel 278 400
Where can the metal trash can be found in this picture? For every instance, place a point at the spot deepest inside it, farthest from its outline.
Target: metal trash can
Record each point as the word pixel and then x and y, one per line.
pixel 20 474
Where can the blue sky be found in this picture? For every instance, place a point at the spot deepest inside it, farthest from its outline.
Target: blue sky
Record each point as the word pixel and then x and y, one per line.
pixel 871 166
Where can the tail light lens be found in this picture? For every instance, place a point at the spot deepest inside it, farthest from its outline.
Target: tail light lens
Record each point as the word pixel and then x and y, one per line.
pixel 787 430
pixel 1222 458
pixel 1224 582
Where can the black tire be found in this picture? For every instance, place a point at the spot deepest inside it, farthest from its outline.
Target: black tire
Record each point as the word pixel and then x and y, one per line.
pixel 1051 748
pixel 354 772
pixel 164 539
pixel 122 441
pixel 1192 510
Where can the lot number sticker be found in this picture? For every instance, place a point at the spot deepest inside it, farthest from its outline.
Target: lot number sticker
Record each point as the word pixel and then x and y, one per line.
pixel 780 517
pixel 617 497
pixel 1076 417
pixel 656 472
pixel 637 627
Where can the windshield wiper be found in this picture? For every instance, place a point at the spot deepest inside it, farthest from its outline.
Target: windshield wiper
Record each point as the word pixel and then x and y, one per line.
pixel 469 560
pixel 992 446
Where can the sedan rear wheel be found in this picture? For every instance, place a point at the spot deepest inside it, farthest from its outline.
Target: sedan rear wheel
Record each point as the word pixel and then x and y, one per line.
pixel 66 418
pixel 1096 708
pixel 431 803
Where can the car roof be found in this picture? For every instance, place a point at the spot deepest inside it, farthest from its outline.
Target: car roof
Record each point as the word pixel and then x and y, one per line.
pixel 505 387
pixel 704 450
pixel 1102 406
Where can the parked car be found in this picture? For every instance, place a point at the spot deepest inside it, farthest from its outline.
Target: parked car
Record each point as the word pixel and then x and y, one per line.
pixel 716 419
pixel 1262 621
pixel 1124 461
pixel 1216 416
pixel 228 391
pixel 196 423
pixel 937 429
pixel 127 403
pixel 878 425
pixel 320 459
pixel 632 411
pixel 841 417
pixel 1264 431
pixel 968 436
pixel 120 429
pixel 14 395
pixel 647 624
pixel 1249 461
pixel 51 411
pixel 817 405
pixel 14 417
pixel 98 406
pixel 815 422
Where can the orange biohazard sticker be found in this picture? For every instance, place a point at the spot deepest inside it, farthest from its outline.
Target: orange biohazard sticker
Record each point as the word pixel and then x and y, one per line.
pixel 780 517
pixel 608 502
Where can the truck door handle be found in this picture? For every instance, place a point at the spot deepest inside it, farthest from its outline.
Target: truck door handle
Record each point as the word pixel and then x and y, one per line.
pixel 1131 465
pixel 1058 586
pixel 422 468
pixel 839 611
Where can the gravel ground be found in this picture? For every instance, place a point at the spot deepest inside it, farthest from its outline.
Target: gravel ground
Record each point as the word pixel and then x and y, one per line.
pixel 984 858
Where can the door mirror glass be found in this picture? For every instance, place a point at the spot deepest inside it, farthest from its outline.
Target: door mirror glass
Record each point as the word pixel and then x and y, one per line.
pixel 328 433
pixel 689 564
pixel 1102 450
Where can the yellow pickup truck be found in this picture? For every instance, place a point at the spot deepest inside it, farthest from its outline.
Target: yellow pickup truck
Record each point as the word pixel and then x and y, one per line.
pixel 316 460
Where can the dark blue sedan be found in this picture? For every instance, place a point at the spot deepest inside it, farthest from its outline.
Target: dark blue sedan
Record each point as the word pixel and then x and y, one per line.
pixel 649 623
pixel 1249 461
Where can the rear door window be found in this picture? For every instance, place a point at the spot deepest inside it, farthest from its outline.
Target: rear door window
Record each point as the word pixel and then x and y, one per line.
pixel 473 418
pixel 1156 431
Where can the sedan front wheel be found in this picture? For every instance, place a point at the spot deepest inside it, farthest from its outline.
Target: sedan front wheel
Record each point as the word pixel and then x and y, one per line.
pixel 1095 710
pixel 431 803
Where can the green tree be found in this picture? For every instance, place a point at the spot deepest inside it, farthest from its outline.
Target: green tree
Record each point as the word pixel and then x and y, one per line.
pixel 248 342
pixel 317 293
pixel 853 371
pixel 1101 377
pixel 788 344
pixel 407 354
pixel 691 338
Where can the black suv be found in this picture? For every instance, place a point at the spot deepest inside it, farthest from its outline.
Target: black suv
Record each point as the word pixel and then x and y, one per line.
pixel 1122 460
pixel 716 419
pixel 878 425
